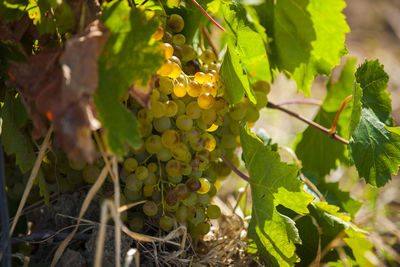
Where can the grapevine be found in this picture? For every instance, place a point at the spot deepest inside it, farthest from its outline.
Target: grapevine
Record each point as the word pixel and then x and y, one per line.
pixel 124 123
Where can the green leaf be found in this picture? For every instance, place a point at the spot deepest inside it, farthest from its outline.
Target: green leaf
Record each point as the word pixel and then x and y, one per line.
pixel 319 153
pixel 12 10
pixel 374 148
pixel 307 37
pixel 234 78
pixel 361 247
pixel 129 57
pixel 247 52
pixel 272 183
pixel 15 142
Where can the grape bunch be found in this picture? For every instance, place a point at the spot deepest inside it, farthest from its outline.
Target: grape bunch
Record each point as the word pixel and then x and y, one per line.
pixel 189 126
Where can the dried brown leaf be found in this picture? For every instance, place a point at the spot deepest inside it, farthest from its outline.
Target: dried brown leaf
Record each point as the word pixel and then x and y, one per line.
pixel 59 85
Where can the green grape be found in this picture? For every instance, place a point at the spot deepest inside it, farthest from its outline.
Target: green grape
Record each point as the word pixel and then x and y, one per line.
pixel 198 217
pixel 190 201
pixel 171 108
pixel 213 191
pixel 222 169
pixel 182 191
pixel 238 112
pixel 167 37
pixel 153 144
pixel 156 196
pixel 203 199
pixel 77 164
pixel 132 195
pixel 170 138
pixel 152 167
pixel 139 149
pixel 228 141
pixel 164 154
pixel 171 208
pixel 203 228
pixel 194 135
pixel 184 123
pixel 130 164
pixel 262 99
pixel 181 214
pixel 166 223
pixel 209 116
pixel 181 106
pixel 175 22
pixel 173 168
pixel 145 129
pixel 211 175
pixel 252 114
pixel 157 108
pixel 141 173
pixel 262 86
pixel 178 51
pixel 197 174
pixel 193 110
pixel 179 39
pixel 74 177
pixel 163 98
pixel 166 85
pixel 151 179
pixel 213 212
pixel 205 186
pixel 144 116
pixel 181 152
pixel 162 124
pixel 63 185
pixel 148 190
pixel 171 198
pixel 207 57
pixel 90 173
pixel 193 184
pixel 192 66
pixel 137 222
pixel 186 168
pixel 133 183
pixel 209 141
pixel 150 208
pixel 175 179
pixel 188 53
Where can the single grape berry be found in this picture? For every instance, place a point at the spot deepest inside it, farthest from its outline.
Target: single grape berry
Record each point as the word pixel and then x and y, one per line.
pixel 171 198
pixel 213 212
pixel 166 223
pixel 193 184
pixel 182 191
pixel 150 208
pixel 175 22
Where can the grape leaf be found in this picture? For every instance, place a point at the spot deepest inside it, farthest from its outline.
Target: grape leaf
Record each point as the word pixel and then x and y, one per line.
pixel 319 153
pixel 247 53
pixel 14 141
pixel 12 10
pixel 272 183
pixel 129 56
pixel 302 43
pixel 374 148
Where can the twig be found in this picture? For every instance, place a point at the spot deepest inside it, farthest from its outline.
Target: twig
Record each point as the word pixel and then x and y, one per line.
pixel 300 101
pixel 309 122
pixel 334 243
pixel 209 40
pixel 233 168
pixel 333 127
pixel 208 16
pixel 32 177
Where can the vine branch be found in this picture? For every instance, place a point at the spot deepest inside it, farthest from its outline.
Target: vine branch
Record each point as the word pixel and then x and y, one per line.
pixel 234 169
pixel 309 122
pixel 333 127
pixel 208 16
pixel 299 101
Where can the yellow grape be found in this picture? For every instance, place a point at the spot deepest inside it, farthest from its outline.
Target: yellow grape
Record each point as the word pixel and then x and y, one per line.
pixel 158 35
pixel 170 138
pixel 205 186
pixel 180 90
pixel 193 89
pixel 168 50
pixel 205 100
